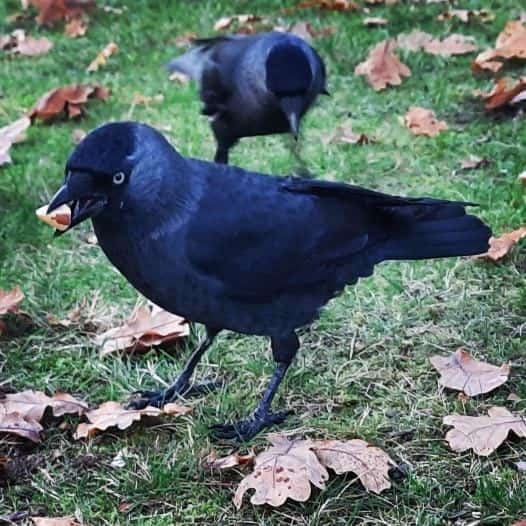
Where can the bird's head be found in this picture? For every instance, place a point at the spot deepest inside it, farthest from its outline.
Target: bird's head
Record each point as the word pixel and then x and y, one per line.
pixel 107 168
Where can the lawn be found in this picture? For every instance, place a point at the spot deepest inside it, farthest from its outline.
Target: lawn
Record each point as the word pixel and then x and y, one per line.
pixel 363 368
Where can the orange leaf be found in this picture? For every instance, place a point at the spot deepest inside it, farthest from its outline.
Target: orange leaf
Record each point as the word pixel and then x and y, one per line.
pixel 102 58
pixel 60 218
pixel 51 11
pixel 212 461
pixel 76 27
pixel 9 300
pixel 504 93
pixel 500 246
pixel 423 122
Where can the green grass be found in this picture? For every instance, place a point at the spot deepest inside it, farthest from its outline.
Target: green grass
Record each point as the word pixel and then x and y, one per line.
pixel 363 369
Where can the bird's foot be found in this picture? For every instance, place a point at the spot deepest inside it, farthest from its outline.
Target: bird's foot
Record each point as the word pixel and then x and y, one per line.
pixel 164 396
pixel 246 429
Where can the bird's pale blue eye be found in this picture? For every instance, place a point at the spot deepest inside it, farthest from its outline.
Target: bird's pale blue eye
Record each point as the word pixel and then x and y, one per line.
pixel 119 178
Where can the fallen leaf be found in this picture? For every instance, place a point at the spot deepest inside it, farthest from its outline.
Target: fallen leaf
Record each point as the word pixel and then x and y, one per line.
pixel 9 300
pixel 522 177
pixel 19 43
pixel 381 2
pixel 146 327
pixel 510 44
pixel 345 134
pixel 374 21
pixel 186 39
pixel 70 99
pixel 76 27
pixel 306 31
pixel 331 5
pixel 501 246
pixel 11 134
pixel 520 523
pixel 466 15
pixel 521 466
pixel 32 404
pixel 51 11
pixel 483 434
pixel 505 92
pixel 369 463
pixel 59 219
pixel 383 67
pixel 244 23
pixel 452 45
pixel 212 461
pixel 422 121
pixel 55 521
pixel 462 372
pixel 113 414
pixel 285 470
pixel 102 58
pixel 179 78
pixel 15 424
pixel 513 397
pixel 414 41
pixel 77 135
pixel 474 162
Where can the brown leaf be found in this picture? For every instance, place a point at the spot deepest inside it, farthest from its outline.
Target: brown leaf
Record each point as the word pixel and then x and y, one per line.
pixel 422 121
pixel 9 300
pixel 474 162
pixel 20 43
pixel 11 134
pixel 244 23
pixel 483 434
pixel 15 424
pixel 55 521
pixel 212 461
pixel 369 463
pixel 186 39
pixel 374 21
pixel 32 404
pixel 413 41
pixel 331 5
pixel 102 58
pixel 501 246
pixel 462 372
pixel 76 27
pixel 77 135
pixel 68 99
pixel 146 327
pixel 520 523
pixel 383 67
pixel 504 93
pixel 113 414
pixel 59 219
pixel 466 15
pixel 345 134
pixel 306 31
pixel 283 471
pixel 179 78
pixel 51 11
pixel 510 44
pixel 522 177
pixel 452 45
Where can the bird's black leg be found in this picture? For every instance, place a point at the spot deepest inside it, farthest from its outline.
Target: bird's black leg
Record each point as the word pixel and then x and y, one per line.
pixel 283 349
pixel 221 155
pixel 182 385
pixel 301 169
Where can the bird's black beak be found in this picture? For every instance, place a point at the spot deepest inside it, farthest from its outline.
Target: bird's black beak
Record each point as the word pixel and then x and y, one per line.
pixel 77 193
pixel 292 108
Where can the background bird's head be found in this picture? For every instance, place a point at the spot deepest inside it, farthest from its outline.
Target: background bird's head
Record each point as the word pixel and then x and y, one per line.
pixel 289 77
pixel 110 169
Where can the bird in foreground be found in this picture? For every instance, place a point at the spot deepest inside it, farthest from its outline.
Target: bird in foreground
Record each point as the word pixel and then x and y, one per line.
pixel 253 85
pixel 243 251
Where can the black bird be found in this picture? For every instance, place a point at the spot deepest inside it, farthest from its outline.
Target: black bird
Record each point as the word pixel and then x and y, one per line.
pixel 239 250
pixel 253 85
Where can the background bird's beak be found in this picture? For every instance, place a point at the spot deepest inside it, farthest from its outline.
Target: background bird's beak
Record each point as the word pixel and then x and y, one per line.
pixel 76 193
pixel 292 107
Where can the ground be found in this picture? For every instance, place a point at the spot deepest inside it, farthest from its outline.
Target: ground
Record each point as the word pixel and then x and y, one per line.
pixel 363 369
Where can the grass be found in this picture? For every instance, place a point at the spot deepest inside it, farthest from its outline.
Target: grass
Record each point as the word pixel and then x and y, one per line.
pixel 363 369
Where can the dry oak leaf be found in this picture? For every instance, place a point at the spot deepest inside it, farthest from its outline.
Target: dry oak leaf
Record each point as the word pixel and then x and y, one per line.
pixel 146 327
pixel 15 424
pixel 511 43
pixel 102 58
pixel 32 404
pixel 422 121
pixel 505 92
pixel 452 45
pixel 413 41
pixel 500 246
pixel 9 300
pixel 51 11
pixel 212 461
pixel 55 521
pixel 60 218
pixel 462 372
pixel 331 5
pixel 483 434
pixel 345 134
pixel 113 414
pixel 19 43
pixel 283 471
pixel 70 99
pixel 383 67
pixel 11 134
pixel 76 27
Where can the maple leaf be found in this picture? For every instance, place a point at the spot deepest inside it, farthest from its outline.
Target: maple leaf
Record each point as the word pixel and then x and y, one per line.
pixel 9 300
pixel 212 461
pixel 102 58
pixel 70 99
pixel 501 246
pixel 422 121
pixel 51 11
pixel 462 372
pixel 452 45
pixel 60 218
pixel 383 67
pixel 15 424
pixel 146 327
pixel 76 27
pixel 11 134
pixel 32 404
pixel 505 92
pixel 55 521
pixel 113 414
pixel 483 434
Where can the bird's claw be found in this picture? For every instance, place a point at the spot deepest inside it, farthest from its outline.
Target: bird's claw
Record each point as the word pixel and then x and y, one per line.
pixel 245 430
